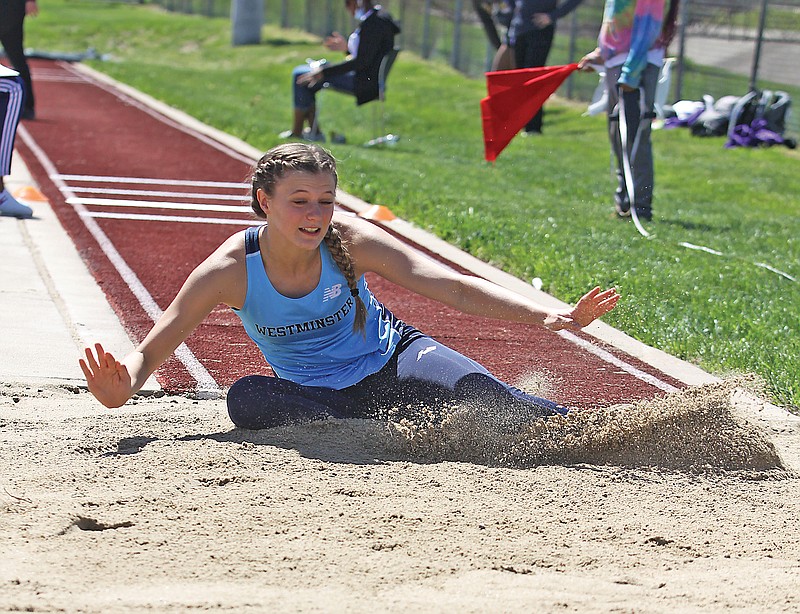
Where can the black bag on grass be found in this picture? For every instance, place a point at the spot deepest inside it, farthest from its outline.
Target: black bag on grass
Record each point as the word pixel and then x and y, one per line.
pixel 771 106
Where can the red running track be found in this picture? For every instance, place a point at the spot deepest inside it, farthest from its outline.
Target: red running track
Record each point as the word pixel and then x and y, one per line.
pixel 145 199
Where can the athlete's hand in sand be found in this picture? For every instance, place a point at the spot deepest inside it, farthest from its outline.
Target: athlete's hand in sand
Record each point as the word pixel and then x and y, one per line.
pixel 591 306
pixel 108 379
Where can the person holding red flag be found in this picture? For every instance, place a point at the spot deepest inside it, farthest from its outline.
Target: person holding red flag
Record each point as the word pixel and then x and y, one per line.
pixel 631 45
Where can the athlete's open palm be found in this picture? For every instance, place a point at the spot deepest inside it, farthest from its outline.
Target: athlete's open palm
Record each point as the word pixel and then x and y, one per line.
pixel 107 378
pixel 594 304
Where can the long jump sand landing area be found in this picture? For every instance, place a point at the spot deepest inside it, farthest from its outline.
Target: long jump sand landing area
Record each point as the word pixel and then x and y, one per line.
pixel 656 496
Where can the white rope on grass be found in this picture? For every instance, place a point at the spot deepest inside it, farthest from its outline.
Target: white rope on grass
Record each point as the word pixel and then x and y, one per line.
pixel 622 120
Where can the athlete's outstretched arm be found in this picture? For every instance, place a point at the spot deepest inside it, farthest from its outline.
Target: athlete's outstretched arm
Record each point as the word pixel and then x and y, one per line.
pixel 216 280
pixel 375 250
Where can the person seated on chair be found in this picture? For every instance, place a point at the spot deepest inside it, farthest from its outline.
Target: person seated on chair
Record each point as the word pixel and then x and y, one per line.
pixel 357 75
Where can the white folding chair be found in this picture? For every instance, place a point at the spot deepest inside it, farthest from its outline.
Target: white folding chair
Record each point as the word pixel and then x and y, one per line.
pixel 662 89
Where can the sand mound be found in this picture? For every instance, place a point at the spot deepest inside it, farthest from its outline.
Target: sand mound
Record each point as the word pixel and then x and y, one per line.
pixel 697 428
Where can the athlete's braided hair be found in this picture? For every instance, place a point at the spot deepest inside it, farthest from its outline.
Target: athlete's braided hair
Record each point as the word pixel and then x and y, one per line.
pixel 305 158
pixel 337 248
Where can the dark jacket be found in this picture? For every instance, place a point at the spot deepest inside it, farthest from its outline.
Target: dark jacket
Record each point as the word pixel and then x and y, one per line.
pixel 524 10
pixel 12 12
pixel 376 39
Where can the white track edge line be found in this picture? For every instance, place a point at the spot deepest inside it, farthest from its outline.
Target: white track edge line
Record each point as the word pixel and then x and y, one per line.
pixel 207 387
pixel 167 218
pixel 236 149
pixel 610 358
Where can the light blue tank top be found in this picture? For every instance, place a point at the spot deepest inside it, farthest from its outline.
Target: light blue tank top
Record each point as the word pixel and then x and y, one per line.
pixel 310 340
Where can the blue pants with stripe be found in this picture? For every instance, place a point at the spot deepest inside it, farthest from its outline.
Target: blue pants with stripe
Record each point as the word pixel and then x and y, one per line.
pixel 422 377
pixel 11 99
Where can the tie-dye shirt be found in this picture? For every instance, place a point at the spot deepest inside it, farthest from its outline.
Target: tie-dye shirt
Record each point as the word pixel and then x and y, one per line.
pixel 633 28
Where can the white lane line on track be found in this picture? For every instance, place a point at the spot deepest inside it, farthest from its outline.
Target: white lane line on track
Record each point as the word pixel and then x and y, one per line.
pixel 151 181
pixel 56 77
pixel 160 193
pixel 169 218
pixel 154 204
pixel 130 100
pixel 621 364
pixel 207 387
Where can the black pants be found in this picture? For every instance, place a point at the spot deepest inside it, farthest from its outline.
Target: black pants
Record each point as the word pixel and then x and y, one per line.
pixel 421 380
pixel 12 18
pixel 530 51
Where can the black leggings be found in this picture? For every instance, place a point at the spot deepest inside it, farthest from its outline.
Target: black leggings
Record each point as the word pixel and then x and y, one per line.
pixel 423 376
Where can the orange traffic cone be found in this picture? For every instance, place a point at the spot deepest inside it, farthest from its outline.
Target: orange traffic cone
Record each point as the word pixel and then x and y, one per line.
pixel 29 192
pixel 378 213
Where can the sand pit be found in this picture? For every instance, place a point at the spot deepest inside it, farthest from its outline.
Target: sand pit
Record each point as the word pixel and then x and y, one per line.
pixel 686 503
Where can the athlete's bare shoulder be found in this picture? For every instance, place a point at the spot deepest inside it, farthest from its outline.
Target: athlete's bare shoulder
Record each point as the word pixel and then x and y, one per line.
pixel 225 270
pixel 355 230
pixel 371 247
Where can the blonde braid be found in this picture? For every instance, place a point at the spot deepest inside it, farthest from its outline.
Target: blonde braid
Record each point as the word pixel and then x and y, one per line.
pixel 338 250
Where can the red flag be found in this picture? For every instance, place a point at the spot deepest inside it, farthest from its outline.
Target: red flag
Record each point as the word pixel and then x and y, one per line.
pixel 514 97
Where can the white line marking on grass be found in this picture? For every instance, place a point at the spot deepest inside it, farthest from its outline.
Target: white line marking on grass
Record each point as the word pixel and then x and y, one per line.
pixel 763 265
pixel 701 248
pixel 207 387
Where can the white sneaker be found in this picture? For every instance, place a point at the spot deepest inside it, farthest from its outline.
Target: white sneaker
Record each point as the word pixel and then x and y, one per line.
pixel 11 207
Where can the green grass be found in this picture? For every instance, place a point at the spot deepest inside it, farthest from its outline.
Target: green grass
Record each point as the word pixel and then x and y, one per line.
pixel 543 210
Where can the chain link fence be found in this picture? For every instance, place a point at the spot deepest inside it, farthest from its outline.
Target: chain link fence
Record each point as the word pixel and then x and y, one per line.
pixel 723 47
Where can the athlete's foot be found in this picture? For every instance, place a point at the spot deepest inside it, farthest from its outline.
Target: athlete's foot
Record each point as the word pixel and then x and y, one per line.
pixel 11 207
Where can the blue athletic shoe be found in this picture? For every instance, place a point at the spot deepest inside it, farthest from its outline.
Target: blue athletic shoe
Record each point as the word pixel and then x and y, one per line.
pixel 11 207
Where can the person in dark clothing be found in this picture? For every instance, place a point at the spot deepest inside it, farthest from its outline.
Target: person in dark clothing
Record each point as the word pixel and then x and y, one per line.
pixel 491 14
pixel 484 12
pixel 12 18
pixel 357 75
pixel 531 33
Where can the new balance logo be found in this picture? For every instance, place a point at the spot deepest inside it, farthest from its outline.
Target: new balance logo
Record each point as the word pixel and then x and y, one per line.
pixel 332 292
